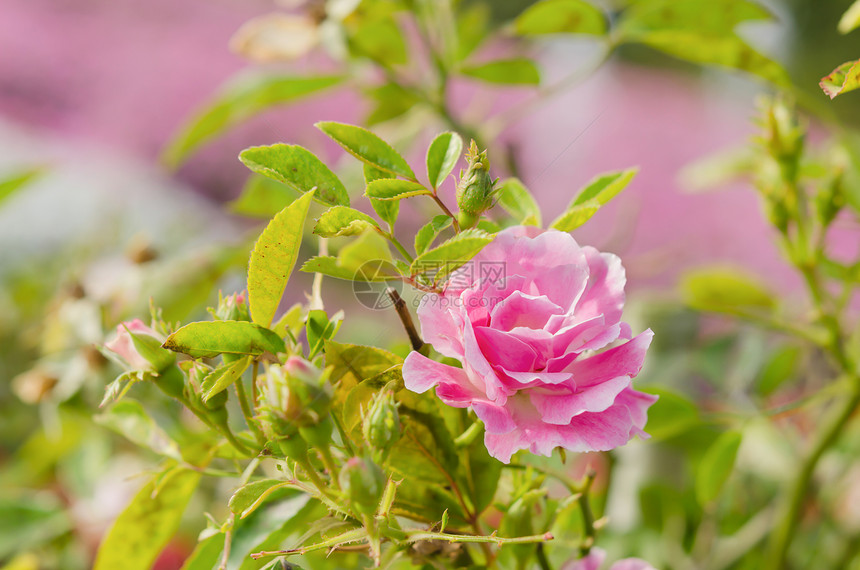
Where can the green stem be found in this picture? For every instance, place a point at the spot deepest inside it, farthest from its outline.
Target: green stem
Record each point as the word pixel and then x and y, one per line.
pixel 791 509
pixel 418 535
pixel 587 516
pixel 255 396
pixel 247 412
pixel 543 561
pixel 328 462
pixel 390 237
pixel 467 437
pixel 234 441
pixel 447 212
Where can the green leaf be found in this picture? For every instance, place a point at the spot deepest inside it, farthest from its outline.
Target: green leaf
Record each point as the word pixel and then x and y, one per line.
pixel 516 71
pixel 290 322
pixel 366 258
pixel 519 521
pixel 471 23
pixel 298 168
pixel 451 254
pixel 353 363
pixel 716 466
pixel 343 221
pixel 249 497
pixel 223 377
pixel 394 189
pixel 575 216
pixel 206 554
pixel 388 210
pixel 780 367
pixel 724 290
pixel 10 183
pixel 273 258
pixel 850 19
pixel 516 199
pixel 367 147
pixel 148 522
pixel 237 102
pixel 561 17
pixel 671 415
pixel 206 339
pixel 442 156
pixel 379 39
pixel 130 420
pixel 319 328
pixel 389 102
pixel 605 187
pixel 843 79
pixel 425 236
pixel 263 197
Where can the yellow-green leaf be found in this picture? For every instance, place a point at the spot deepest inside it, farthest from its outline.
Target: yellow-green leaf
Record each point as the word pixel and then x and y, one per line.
pixel 843 79
pixel 850 19
pixel 343 221
pixel 238 101
pixel 206 339
pixel 516 199
pixel 367 147
pixel 223 377
pixel 724 290
pixel 273 258
pixel 395 189
pixel 575 216
pixel 298 168
pixel 515 71
pixel 442 156
pixel 451 254
pixel 561 17
pixel 148 522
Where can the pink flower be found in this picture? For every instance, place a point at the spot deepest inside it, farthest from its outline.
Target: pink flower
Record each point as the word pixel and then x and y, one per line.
pixel 527 317
pixel 596 557
pixel 123 345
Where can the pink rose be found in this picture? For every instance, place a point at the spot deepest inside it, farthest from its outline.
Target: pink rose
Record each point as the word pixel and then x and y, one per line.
pixel 596 557
pixel 123 345
pixel 527 317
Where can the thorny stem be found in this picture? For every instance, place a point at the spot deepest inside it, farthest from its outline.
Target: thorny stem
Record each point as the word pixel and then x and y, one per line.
pixel 329 464
pixel 405 318
pixel 255 396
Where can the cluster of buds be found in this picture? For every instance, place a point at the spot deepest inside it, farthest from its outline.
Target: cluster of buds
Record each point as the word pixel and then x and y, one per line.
pixel 294 406
pixel 476 190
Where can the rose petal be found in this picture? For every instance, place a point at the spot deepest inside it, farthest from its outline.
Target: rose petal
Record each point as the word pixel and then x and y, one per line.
pixel 560 406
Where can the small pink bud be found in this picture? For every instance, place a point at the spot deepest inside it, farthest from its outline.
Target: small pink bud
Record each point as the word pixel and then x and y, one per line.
pixel 123 344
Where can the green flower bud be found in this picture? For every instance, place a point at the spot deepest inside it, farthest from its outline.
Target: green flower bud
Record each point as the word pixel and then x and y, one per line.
pixel 381 424
pixel 475 191
pixel 293 395
pixel 172 382
pixel 363 482
pixel 830 200
pixel 232 308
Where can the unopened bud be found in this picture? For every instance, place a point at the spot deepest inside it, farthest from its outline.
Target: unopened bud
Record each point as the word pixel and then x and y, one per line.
pixel 363 482
pixel 232 308
pixel 139 348
pixel 293 395
pixel 475 191
pixel 830 200
pixel 381 425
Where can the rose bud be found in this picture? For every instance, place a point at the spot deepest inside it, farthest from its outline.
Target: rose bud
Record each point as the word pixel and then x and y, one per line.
pixel 381 424
pixel 363 482
pixel 475 191
pixel 232 308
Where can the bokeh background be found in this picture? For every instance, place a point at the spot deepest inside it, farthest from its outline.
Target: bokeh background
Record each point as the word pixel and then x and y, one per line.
pixel 91 93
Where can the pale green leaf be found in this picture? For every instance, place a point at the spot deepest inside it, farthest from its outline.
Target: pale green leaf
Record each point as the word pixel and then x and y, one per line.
pixel 575 216
pixel 129 419
pixel 724 290
pixel 366 258
pixel 263 197
pixel 10 183
pixel 247 498
pixel 442 156
pixel 516 199
pixel 395 189
pixel 451 254
pixel 206 339
pixel 843 79
pixel 367 147
pixel 716 466
pixel 561 17
pixel 516 71
pixel 605 187
pixel 298 168
pixel 343 221
pixel 237 102
pixel 425 236
pixel 290 322
pixel 671 415
pixel 223 377
pixel 781 366
pixel 850 19
pixel 389 102
pixel 379 39
pixel 148 522
pixel 273 258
